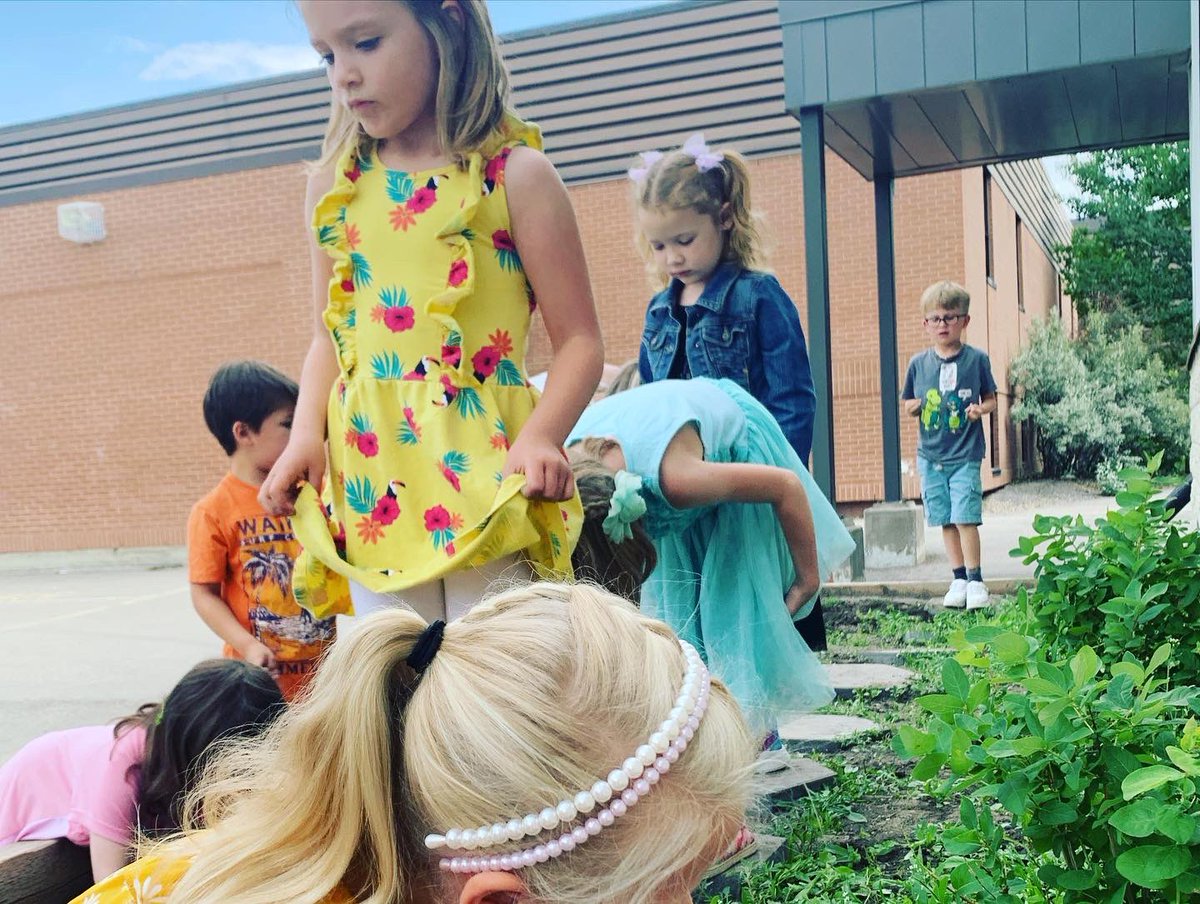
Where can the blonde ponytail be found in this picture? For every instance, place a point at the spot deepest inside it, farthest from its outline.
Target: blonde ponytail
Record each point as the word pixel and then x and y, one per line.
pixel 314 805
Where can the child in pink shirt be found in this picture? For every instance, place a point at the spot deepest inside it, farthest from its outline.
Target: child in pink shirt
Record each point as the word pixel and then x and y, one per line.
pixel 98 786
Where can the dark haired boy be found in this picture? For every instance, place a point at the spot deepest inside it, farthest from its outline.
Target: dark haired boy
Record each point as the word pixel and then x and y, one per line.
pixel 240 559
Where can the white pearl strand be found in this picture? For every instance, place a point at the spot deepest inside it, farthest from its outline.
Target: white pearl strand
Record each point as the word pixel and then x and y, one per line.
pixel 623 788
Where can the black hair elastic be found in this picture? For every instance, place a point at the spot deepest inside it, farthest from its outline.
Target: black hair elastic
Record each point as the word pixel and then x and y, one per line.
pixel 426 647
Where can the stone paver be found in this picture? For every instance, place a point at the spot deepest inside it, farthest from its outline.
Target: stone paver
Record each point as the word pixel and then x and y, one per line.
pixel 798 780
pixel 770 849
pixel 823 732
pixel 847 678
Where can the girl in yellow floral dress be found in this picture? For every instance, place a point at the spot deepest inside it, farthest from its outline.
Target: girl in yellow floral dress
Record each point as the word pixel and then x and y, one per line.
pixel 438 225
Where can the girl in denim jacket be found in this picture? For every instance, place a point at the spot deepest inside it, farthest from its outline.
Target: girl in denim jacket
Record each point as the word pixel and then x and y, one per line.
pixel 719 316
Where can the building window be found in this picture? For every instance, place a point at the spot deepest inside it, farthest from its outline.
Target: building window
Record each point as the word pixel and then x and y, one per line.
pixel 1020 271
pixel 988 257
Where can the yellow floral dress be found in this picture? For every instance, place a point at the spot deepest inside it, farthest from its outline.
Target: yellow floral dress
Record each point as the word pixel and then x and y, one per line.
pixel 151 880
pixel 429 310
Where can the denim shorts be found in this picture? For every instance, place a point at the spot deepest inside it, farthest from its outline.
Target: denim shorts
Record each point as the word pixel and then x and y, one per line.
pixel 952 493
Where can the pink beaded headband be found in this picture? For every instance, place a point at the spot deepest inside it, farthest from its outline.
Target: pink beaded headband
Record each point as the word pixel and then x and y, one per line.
pixel 624 787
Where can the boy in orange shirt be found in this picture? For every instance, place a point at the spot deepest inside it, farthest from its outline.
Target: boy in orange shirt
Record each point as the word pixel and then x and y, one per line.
pixel 240 559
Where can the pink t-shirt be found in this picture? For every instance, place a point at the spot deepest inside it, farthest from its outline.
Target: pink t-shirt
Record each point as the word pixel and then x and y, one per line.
pixel 72 784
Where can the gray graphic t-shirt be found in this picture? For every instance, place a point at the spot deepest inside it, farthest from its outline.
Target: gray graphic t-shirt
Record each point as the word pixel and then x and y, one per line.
pixel 946 386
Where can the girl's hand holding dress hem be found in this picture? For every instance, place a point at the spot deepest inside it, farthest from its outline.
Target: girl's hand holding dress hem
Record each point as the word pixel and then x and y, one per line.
pixel 547 473
pixel 301 460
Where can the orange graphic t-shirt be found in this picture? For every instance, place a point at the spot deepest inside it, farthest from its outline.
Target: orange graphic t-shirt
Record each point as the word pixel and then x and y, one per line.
pixel 232 541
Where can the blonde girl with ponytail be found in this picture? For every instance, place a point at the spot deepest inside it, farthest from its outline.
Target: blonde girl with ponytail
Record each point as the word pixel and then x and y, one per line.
pixel 717 314
pixel 552 746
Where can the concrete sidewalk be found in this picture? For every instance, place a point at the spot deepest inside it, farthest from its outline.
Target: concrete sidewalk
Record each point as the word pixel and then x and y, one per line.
pixel 1007 516
pixel 87 647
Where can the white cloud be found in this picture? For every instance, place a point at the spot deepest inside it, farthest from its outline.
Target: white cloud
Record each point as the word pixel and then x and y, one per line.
pixel 227 61
pixel 130 44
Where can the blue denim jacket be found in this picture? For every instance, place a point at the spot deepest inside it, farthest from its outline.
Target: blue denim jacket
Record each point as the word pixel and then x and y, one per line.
pixel 744 328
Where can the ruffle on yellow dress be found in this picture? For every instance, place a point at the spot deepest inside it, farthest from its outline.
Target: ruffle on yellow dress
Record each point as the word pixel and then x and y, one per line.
pixel 429 310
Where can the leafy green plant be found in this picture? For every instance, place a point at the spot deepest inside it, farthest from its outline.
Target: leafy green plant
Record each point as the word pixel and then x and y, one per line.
pixel 1079 420
pixel 1098 397
pixel 1096 766
pixel 982 863
pixel 1127 584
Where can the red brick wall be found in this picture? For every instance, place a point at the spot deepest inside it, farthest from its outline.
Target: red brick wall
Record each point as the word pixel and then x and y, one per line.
pixel 107 348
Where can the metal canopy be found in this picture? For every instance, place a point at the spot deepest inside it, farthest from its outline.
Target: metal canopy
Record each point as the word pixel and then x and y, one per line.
pixel 918 86
pixel 903 87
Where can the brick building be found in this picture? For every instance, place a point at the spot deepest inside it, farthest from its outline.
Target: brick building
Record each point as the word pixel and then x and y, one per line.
pixel 108 346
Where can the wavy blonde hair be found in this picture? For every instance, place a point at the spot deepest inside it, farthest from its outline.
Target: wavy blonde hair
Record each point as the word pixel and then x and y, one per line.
pixel 674 182
pixel 473 88
pixel 535 692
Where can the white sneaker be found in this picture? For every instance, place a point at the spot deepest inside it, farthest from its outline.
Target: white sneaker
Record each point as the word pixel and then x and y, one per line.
pixel 977 595
pixel 956 596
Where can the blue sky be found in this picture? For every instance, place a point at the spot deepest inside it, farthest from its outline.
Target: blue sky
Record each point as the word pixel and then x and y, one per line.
pixel 68 56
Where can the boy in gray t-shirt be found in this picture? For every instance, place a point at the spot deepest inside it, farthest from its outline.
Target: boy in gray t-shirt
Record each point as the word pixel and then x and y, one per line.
pixel 949 387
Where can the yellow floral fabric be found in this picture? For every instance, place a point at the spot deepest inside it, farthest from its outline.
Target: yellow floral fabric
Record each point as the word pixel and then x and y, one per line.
pixel 429 310
pixel 151 880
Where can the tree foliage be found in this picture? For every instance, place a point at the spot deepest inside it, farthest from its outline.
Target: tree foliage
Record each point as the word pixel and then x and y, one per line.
pixel 1133 261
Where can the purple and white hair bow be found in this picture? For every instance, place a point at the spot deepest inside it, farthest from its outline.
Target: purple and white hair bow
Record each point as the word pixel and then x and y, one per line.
pixel 649 158
pixel 705 159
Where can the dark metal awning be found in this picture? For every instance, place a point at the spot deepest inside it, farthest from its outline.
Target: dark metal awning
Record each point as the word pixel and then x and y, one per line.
pixel 913 87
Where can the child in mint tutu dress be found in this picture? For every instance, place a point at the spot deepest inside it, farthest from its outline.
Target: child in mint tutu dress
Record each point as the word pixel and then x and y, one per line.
pixel 741 534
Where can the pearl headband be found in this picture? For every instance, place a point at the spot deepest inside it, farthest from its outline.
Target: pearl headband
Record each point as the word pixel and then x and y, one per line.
pixel 624 787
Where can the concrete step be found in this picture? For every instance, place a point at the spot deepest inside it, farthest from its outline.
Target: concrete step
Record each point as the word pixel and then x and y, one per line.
pixel 823 732
pixel 848 678
pixel 798 779
pixel 770 849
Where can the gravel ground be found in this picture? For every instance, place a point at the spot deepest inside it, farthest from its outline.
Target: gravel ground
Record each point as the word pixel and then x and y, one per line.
pixel 1031 495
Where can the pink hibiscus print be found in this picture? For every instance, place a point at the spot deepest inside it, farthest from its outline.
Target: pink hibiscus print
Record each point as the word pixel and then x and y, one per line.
pixel 422 199
pixel 451 355
pixel 399 319
pixel 368 444
pixel 386 510
pixel 502 241
pixel 437 518
pixel 485 362
pixel 458 272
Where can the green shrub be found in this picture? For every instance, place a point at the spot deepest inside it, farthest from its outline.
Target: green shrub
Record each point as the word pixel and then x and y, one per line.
pixel 1097 766
pixel 1095 398
pixel 1079 421
pixel 1153 399
pixel 1128 584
